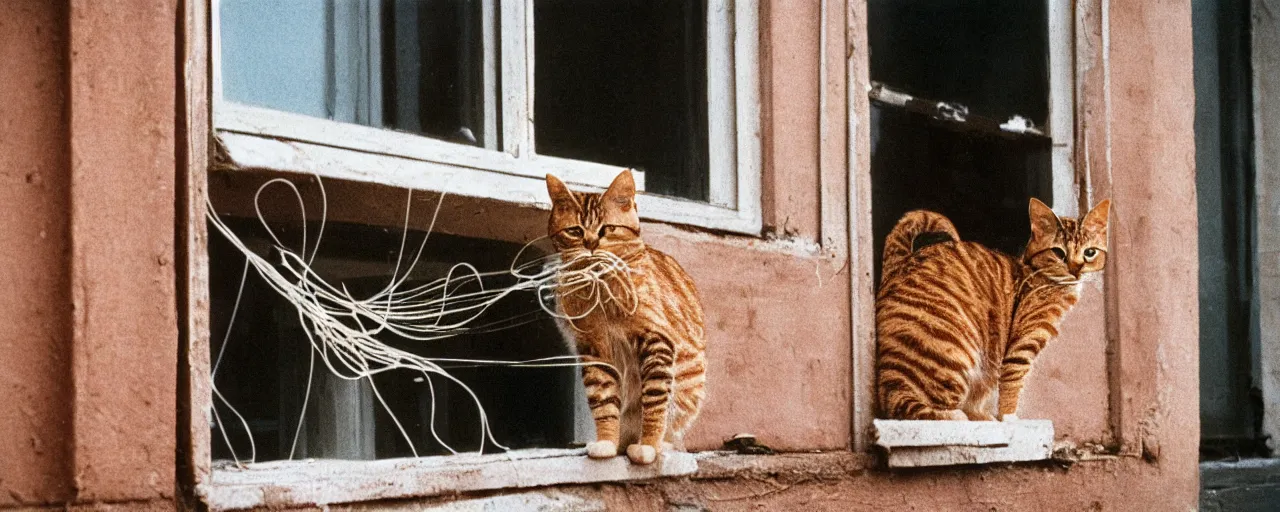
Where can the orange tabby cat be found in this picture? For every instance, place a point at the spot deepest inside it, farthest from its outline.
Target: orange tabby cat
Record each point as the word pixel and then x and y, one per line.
pixel 652 344
pixel 956 319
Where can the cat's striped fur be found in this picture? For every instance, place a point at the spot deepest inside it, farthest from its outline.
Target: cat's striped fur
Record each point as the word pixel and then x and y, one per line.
pixel 650 383
pixel 957 322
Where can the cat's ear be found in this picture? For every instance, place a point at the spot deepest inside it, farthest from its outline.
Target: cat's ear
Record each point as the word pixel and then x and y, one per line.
pixel 558 191
pixel 622 192
pixel 1044 223
pixel 1097 219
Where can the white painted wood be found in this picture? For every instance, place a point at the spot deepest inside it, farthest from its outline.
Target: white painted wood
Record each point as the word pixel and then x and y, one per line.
pixel 234 117
pixel 1266 126
pixel 904 433
pixel 215 54
pixel 489 72
pixel 736 209
pixel 1061 123
pixel 516 34
pixel 307 159
pixel 861 254
pixel 944 443
pixel 746 58
pixel 722 158
pixel 323 482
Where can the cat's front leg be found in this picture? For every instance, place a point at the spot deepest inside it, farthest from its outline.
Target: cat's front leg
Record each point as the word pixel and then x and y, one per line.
pixel 656 359
pixel 1017 364
pixel 601 382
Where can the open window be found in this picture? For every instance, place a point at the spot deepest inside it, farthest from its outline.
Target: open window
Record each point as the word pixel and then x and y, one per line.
pixel 478 99
pixel 971 115
pixel 297 409
pixel 483 98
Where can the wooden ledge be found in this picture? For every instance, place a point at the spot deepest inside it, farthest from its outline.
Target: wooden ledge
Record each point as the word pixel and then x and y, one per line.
pixel 323 482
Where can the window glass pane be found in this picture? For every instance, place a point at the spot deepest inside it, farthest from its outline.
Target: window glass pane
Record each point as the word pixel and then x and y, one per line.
pixel 625 83
pixel 412 65
pixel 262 370
pixel 989 55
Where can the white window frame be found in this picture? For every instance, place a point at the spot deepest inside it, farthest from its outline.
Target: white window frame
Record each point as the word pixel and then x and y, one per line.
pixel 1061 126
pixel 921 443
pixel 295 143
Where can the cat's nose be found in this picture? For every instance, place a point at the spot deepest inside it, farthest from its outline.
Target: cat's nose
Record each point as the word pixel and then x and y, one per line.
pixel 591 242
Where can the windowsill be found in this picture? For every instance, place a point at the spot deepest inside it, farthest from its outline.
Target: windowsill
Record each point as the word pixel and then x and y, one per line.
pixel 1246 484
pixel 324 482
pixel 914 443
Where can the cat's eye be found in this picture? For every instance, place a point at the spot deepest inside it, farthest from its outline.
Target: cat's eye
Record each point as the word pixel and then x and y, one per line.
pixel 574 232
pixel 1090 254
pixel 604 230
pixel 1061 254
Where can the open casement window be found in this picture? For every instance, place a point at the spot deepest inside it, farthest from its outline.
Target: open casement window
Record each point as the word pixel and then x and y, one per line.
pixel 479 99
pixel 483 98
pixel 971 115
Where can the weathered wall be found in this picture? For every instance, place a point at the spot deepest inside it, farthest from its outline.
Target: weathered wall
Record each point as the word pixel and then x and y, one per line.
pixel 843 482
pixel 779 349
pixel 94 386
pixel 122 97
pixel 36 304
pixel 88 344
pixel 1152 300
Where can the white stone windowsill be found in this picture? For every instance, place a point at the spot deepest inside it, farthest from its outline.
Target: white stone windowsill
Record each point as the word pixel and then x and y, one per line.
pixel 915 443
pixel 324 482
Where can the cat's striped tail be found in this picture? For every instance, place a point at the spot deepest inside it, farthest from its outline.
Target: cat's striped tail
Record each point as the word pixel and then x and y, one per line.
pixel 900 243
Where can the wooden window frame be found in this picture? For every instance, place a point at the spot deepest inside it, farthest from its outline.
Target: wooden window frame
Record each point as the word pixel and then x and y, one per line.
pixel 294 143
pixel 258 138
pixel 952 443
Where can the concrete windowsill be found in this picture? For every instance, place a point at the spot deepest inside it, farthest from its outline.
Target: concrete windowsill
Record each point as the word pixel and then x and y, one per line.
pixel 1248 484
pixel 912 443
pixel 323 482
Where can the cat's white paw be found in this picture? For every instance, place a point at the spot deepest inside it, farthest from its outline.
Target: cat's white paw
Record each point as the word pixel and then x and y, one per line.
pixel 1008 417
pixel 642 454
pixel 602 450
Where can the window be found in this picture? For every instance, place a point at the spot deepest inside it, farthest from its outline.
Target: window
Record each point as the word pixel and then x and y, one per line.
pixel 1002 69
pixel 1237 76
pixel 482 98
pixel 263 368
pixel 974 100
pixel 1233 307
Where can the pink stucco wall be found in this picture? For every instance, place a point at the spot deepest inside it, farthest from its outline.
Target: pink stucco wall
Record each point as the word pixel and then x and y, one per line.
pixel 89 339
pixel 89 346
pixel 35 334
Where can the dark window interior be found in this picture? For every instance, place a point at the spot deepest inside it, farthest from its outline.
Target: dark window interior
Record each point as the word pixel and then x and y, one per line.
pixel 1230 398
pixel 991 56
pixel 263 369
pixel 625 83
pixel 432 68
